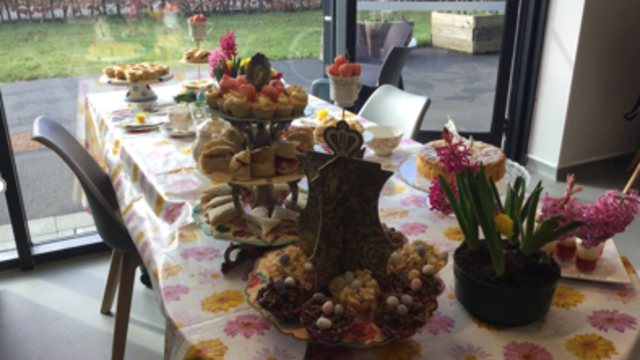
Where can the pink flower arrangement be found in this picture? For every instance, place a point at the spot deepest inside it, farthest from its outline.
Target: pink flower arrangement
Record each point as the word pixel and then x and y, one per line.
pixel 604 320
pixel 216 58
pixel 247 326
pixel 609 215
pixel 567 206
pixel 224 60
pixel 437 200
pixel 228 45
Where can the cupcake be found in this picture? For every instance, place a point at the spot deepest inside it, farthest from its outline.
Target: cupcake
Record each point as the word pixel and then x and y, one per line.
pixel 299 99
pixel 356 289
pixel 422 285
pixel 211 97
pixel 416 255
pixel 325 320
pixel 263 108
pixel 283 106
pixel 292 262
pixel 282 298
pixel 400 316
pixel 227 101
pixel 240 106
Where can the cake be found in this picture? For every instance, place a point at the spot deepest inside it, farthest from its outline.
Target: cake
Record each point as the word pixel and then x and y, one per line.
pixel 400 316
pixel 493 158
pixel 357 289
pixel 282 297
pixel 326 320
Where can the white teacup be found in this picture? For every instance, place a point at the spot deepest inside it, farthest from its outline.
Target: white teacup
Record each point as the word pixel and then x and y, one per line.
pixel 385 139
pixel 344 90
pixel 180 117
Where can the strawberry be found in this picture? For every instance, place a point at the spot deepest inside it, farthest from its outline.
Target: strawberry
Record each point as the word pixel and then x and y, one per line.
pixel 339 60
pixel 333 70
pixel 346 70
pixel 357 70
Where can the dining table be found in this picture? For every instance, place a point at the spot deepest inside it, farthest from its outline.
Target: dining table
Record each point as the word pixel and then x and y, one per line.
pixel 207 315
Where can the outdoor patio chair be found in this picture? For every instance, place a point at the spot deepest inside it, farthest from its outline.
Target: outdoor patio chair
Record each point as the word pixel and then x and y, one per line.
pixel 320 88
pixel 394 107
pixel 106 215
pixel 389 73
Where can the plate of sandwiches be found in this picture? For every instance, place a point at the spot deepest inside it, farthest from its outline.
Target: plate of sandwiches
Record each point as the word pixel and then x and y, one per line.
pixel 226 159
pixel 217 216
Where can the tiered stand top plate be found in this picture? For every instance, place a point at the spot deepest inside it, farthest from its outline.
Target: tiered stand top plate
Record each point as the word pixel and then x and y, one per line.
pixel 295 328
pixel 116 82
pixel 226 178
pixel 237 231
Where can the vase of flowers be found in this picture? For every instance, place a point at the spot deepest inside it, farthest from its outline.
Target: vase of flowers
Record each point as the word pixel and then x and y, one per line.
pixel 504 279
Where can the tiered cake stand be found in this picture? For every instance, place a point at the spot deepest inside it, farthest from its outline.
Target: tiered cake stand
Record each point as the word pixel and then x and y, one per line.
pixel 139 91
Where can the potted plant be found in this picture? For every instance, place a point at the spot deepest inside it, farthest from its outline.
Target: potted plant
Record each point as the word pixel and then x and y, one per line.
pixel 508 282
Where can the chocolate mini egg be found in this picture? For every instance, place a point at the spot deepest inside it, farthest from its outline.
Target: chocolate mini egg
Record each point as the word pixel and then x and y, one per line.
pixel 394 259
pixel 413 274
pixel 429 269
pixel 290 282
pixel 406 299
pixel 308 267
pixel 324 323
pixel 200 96
pixel 278 283
pixel 402 310
pixel 338 310
pixel 327 308
pixel 349 276
pixel 284 259
pixel 392 301
pixel 416 284
pixel 443 255
pixel 318 297
pixel 421 250
pixel 356 284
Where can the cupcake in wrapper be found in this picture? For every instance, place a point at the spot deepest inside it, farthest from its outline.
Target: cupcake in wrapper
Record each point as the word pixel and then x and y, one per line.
pixel 282 297
pixel 263 108
pixel 325 320
pixel 423 285
pixel 299 98
pixel 400 316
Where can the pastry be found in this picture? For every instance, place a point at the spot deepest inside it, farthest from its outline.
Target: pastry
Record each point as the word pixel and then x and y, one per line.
pixel 234 136
pixel 285 157
pixel 240 166
pixel 120 75
pixel 217 201
pixel 327 320
pixel 263 108
pixel 283 106
pixel 493 158
pixel 216 159
pixel 299 99
pixel 240 106
pixel 218 140
pixel 282 298
pixel 357 289
pixel 211 97
pixel 201 56
pixel 415 255
pixel 400 316
pixel 109 72
pixel 222 214
pixel 332 122
pixel 302 135
pixel 263 162
pixel 355 125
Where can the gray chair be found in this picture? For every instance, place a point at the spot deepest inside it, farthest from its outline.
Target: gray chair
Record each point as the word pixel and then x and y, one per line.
pixel 389 73
pixel 391 106
pixel 320 88
pixel 106 215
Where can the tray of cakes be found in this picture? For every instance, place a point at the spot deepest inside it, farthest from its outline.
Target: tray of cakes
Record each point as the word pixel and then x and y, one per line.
pixel 357 309
pixel 137 78
pixel 217 214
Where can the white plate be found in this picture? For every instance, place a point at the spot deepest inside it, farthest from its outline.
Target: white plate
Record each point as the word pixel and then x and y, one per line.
pixel 132 125
pixel 168 129
pixel 409 173
pixel 609 268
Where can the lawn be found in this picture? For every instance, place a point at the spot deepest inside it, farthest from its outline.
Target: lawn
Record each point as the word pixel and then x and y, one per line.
pixel 80 47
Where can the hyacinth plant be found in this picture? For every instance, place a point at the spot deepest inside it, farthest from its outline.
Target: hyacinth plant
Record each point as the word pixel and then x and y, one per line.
pixel 567 206
pixel 478 203
pixel 224 60
pixel 455 156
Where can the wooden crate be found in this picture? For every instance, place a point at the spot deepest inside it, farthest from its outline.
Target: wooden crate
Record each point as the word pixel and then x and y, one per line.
pixel 467 33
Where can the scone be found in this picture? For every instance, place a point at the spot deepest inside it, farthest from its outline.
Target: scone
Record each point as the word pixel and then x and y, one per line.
pixel 240 166
pixel 263 162
pixel 216 159
pixel 234 136
pixel 286 160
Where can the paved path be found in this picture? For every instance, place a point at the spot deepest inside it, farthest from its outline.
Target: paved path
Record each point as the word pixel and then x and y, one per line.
pixel 458 83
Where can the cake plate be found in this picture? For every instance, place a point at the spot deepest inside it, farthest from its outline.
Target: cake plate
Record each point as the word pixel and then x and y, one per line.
pixel 368 333
pixel 138 91
pixel 195 64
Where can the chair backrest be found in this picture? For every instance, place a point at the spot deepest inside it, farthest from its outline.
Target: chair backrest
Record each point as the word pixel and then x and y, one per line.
pixel 320 88
pixel 95 182
pixel 399 34
pixel 394 107
pixel 392 66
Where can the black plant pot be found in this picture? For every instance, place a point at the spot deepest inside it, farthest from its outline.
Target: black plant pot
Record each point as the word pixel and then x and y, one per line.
pixel 503 306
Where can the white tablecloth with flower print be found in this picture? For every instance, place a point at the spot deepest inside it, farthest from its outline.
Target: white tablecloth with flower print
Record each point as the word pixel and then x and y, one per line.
pixel 207 315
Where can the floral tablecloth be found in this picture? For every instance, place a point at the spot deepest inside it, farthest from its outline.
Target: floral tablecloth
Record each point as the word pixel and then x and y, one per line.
pixel 207 314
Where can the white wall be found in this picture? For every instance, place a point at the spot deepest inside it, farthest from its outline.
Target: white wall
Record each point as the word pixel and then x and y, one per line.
pixel 554 85
pixel 606 84
pixel 589 77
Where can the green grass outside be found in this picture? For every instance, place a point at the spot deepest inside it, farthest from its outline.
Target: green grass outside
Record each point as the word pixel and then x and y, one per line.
pixel 80 47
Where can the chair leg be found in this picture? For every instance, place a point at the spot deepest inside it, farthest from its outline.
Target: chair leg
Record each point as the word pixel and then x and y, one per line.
pixel 112 282
pixel 127 278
